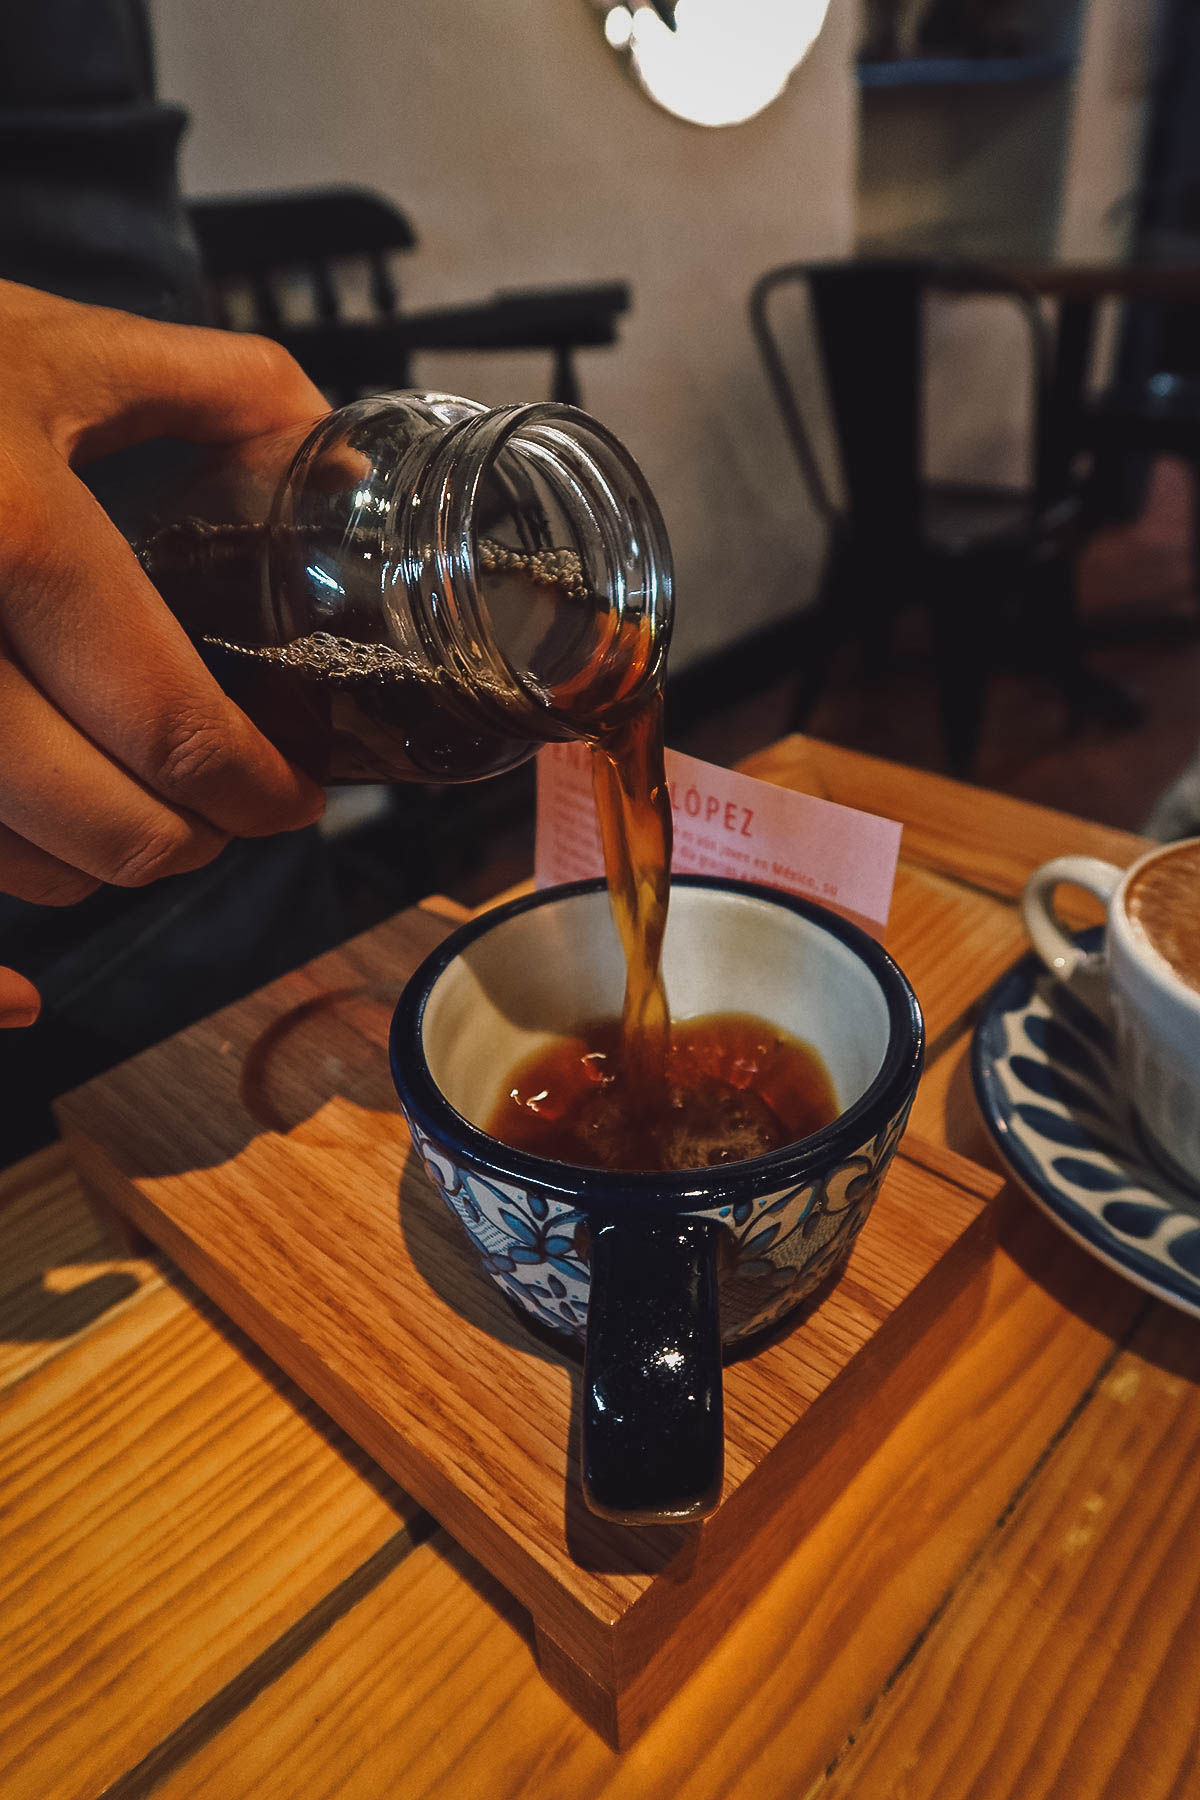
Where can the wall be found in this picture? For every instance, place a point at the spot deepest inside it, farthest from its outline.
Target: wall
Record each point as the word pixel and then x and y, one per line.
pixel 524 156
pixel 1107 126
pixel 1028 172
pixel 971 172
pixel 1104 151
pixel 963 171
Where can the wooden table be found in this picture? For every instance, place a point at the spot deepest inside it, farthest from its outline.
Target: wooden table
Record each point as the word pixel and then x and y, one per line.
pixel 205 1590
pixel 1174 283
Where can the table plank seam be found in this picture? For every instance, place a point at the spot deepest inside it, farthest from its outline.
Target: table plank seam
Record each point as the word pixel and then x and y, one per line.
pixel 243 1689
pixel 1120 1346
pixel 1070 1419
pixel 957 878
pixel 951 1035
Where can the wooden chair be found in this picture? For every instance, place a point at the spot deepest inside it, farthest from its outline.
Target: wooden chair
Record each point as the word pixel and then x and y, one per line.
pixel 265 244
pixel 993 565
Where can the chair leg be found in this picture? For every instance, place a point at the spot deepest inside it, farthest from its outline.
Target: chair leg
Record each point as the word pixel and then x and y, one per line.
pixel 833 617
pixel 818 634
pixel 877 628
pixel 564 383
pixel 1051 588
pixel 1051 616
pixel 963 607
pixel 1195 468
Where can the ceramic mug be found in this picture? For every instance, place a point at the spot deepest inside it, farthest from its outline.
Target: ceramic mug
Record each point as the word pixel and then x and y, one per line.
pixel 654 1272
pixel 1156 1015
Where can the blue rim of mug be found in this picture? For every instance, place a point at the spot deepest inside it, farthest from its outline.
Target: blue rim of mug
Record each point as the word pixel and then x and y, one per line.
pixel 613 1189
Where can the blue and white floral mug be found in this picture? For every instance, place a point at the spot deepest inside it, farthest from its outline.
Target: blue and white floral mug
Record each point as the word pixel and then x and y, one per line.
pixel 654 1272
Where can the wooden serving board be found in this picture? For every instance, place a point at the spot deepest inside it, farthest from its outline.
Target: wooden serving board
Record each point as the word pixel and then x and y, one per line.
pixel 264 1151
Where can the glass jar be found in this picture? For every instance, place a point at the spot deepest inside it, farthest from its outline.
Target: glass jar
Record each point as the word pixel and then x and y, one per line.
pixel 420 588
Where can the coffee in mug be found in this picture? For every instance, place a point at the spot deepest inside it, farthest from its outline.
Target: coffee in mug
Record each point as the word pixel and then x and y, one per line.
pixel 734 1087
pixel 653 1271
pixel 1163 903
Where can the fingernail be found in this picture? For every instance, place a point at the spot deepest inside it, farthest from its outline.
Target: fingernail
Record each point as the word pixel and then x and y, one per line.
pixel 15 1017
pixel 317 809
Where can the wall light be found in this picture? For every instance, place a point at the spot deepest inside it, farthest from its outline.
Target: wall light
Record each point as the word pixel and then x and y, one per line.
pixel 724 61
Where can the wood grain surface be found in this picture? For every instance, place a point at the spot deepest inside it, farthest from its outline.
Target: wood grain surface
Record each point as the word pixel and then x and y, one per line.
pixel 63 1267
pixel 985 840
pixel 945 1112
pixel 1065 1662
pixel 263 1149
pixel 999 1602
pixel 166 1510
pixel 379 1708
pixel 951 943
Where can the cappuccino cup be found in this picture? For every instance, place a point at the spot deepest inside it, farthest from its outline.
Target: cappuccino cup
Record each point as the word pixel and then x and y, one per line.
pixel 1145 981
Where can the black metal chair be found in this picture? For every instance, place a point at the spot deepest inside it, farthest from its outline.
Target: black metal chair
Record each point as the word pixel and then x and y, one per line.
pixel 263 243
pixel 1151 408
pixel 994 566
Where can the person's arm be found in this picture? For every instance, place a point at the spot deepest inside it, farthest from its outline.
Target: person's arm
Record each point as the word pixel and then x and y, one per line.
pixel 120 758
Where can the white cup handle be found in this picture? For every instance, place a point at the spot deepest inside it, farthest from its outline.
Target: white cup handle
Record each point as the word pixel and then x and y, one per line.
pixel 1080 970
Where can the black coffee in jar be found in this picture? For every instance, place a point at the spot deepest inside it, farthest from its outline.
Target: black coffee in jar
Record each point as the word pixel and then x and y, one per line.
pixel 351 710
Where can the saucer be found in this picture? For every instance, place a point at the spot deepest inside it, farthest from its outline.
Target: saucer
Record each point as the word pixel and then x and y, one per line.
pixel 1047 1084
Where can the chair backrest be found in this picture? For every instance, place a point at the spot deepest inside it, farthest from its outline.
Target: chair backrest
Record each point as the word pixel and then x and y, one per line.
pixel 868 317
pixel 261 240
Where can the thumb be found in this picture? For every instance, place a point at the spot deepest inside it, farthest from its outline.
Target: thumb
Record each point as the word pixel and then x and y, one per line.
pixel 20 1002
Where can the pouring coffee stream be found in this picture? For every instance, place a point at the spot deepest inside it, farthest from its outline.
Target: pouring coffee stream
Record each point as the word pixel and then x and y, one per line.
pixel 419 588
pixel 633 806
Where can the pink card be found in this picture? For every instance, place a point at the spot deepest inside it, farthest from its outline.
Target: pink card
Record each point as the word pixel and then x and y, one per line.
pixel 728 824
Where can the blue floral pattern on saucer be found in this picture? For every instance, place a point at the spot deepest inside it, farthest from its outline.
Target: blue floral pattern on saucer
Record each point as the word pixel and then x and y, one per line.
pixel 1048 1086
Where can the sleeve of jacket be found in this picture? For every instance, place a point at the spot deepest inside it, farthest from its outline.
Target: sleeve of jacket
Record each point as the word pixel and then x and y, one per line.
pixel 89 196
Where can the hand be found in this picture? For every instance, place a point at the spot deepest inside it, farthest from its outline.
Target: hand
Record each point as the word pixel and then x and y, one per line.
pixel 120 758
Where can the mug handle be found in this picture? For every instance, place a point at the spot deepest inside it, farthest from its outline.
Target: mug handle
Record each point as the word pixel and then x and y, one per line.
pixel 1082 971
pixel 653 1439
